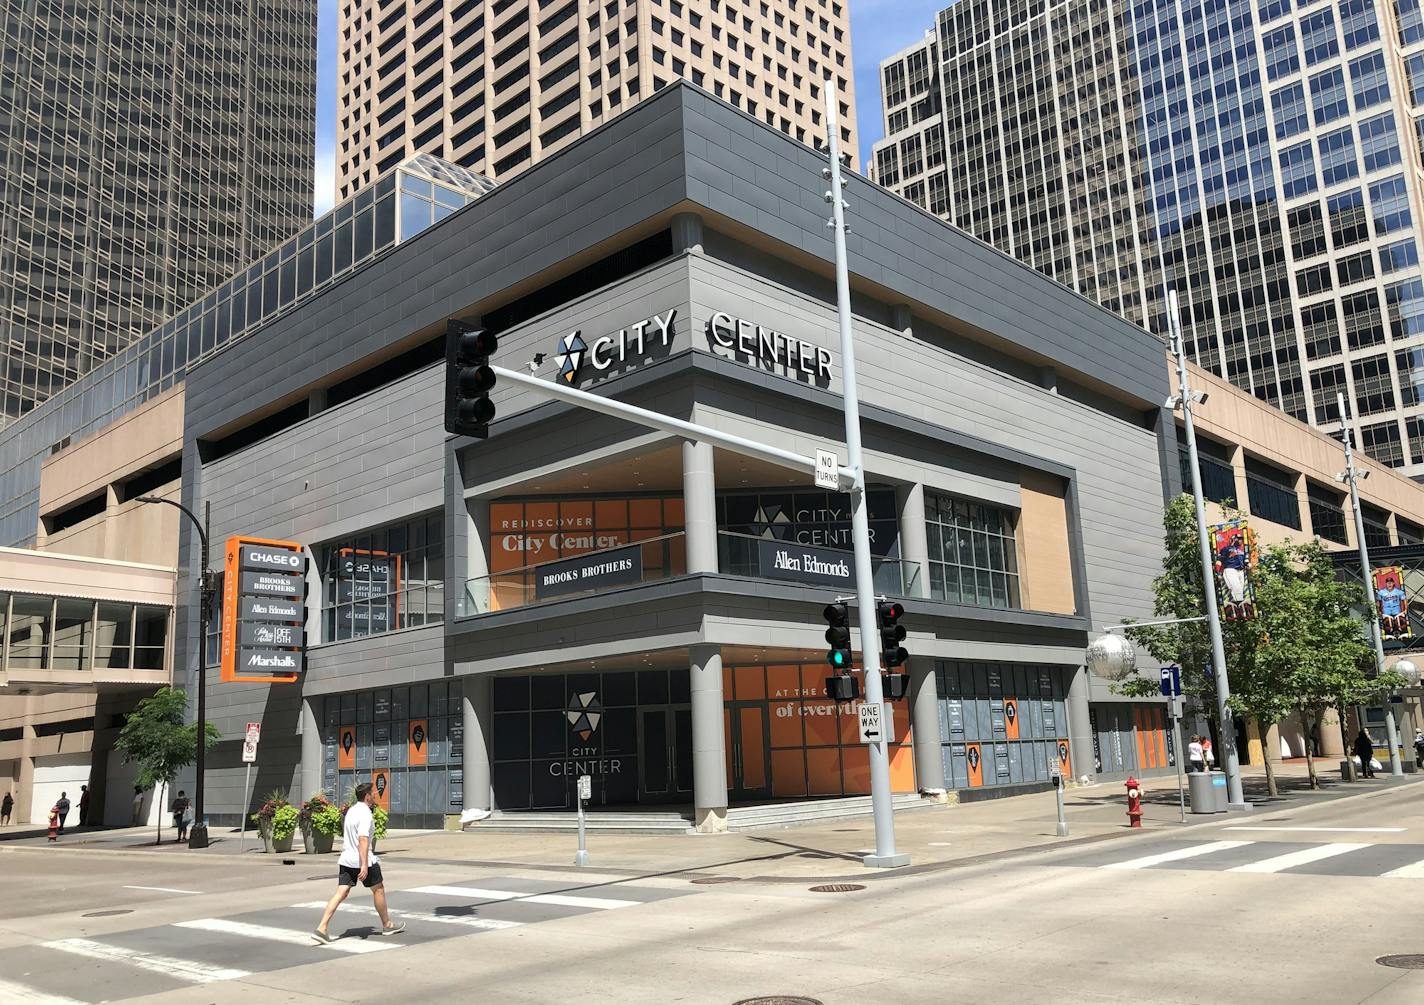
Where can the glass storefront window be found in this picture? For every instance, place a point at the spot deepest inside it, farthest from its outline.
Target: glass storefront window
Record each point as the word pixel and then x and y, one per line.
pixel 73 631
pixel 150 634
pixel 114 636
pixel 29 631
pixel 1002 723
pixel 385 580
pixel 973 552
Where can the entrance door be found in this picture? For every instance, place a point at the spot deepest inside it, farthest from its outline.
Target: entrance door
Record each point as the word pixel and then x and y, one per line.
pixel 664 753
pixel 748 751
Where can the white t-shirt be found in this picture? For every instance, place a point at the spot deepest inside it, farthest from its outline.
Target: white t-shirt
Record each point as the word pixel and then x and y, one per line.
pixel 1195 752
pixel 360 822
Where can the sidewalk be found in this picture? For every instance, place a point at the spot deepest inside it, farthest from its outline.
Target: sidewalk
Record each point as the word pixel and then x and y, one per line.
pixel 936 837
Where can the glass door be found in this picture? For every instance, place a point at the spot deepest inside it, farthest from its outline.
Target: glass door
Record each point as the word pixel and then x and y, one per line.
pixel 748 756
pixel 664 753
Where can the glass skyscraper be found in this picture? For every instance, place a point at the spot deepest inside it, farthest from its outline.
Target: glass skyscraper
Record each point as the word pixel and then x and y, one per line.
pixel 1262 158
pixel 148 149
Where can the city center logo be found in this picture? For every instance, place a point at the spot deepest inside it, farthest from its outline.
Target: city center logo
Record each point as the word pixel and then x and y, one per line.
pixel 572 349
pixel 584 713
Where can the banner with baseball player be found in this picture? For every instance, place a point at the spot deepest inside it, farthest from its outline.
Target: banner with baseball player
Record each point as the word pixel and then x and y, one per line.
pixel 1234 555
pixel 1391 602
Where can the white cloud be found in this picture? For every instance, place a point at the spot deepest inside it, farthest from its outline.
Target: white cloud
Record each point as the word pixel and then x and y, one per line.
pixel 325 189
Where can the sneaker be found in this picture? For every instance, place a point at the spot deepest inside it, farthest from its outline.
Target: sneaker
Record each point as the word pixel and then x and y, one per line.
pixel 326 938
pixel 395 928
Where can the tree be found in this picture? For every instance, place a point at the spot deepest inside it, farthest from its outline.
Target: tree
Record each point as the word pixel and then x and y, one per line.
pixel 155 738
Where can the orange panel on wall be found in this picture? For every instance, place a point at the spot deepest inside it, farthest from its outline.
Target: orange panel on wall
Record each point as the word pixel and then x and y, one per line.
pixel 751 682
pixel 856 769
pixel 788 772
pixel 902 768
pixel 753 724
pixel 727 743
pixel 824 771
pixel 822 719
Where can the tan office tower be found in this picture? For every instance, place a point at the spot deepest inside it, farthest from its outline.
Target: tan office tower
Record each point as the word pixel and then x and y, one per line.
pixel 496 85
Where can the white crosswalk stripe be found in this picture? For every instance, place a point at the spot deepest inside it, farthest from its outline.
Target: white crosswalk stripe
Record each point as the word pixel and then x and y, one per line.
pixel 483 924
pixel 226 926
pixel 22 994
pixel 170 966
pixel 555 899
pixel 1176 855
pixel 1304 856
pixel 1414 870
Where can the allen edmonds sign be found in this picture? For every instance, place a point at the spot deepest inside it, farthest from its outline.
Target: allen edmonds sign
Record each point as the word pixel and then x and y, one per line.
pixel 263 634
pixel 798 563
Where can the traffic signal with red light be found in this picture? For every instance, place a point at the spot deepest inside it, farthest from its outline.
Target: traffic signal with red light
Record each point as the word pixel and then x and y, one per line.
pixel 887 616
pixel 838 635
pixel 468 379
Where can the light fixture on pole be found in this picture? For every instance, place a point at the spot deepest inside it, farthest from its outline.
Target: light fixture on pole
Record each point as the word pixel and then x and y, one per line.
pixel 1352 477
pixel 1111 657
pixel 198 835
pixel 1184 399
pixel 1408 670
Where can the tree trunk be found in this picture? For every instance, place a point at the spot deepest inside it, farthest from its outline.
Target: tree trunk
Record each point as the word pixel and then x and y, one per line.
pixel 1344 735
pixel 163 788
pixel 1309 754
pixel 1261 728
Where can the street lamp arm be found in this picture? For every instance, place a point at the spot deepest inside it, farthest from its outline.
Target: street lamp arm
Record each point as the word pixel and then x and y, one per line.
pixel 1150 624
pixel 202 534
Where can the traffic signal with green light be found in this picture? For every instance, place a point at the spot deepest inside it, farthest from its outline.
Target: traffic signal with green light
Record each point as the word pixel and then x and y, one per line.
pixel 838 635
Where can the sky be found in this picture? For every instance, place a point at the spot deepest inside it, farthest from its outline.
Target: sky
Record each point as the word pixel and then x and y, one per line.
pixel 877 28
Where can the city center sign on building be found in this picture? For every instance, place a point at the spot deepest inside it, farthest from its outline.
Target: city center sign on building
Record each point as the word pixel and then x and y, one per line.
pixel 263 614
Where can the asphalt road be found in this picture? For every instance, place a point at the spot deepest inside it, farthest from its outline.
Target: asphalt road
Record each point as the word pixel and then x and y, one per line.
pixel 1287 906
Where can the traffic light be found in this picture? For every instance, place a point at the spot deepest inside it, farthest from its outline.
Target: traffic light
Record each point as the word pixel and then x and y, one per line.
pixel 895 685
pixel 838 635
pixel 843 687
pixel 887 615
pixel 468 379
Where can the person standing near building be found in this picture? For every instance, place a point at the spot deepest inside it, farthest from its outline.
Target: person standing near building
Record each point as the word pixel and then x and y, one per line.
pixel 180 815
pixel 6 805
pixel 358 864
pixel 83 806
pixel 137 818
pixel 1365 751
pixel 63 807
pixel 1196 754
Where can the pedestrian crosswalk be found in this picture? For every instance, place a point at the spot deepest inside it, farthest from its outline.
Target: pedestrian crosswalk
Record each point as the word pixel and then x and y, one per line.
pixel 204 951
pixel 1335 858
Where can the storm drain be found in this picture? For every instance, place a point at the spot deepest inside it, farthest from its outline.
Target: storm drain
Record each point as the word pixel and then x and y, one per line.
pixel 108 914
pixel 779 1000
pixel 837 888
pixel 715 880
pixel 1406 961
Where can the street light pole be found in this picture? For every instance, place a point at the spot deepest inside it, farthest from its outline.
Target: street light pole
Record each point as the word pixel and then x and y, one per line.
pixel 198 835
pixel 881 802
pixel 1185 396
pixel 1351 477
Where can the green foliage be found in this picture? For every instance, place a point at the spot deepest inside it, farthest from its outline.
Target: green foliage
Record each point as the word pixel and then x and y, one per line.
pixel 267 812
pixel 327 820
pixel 284 822
pixel 155 738
pixel 379 819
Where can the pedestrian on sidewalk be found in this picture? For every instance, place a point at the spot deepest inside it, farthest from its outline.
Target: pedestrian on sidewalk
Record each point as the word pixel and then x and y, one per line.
pixel 6 805
pixel 137 818
pixel 180 816
pixel 358 864
pixel 1365 751
pixel 1418 748
pixel 54 822
pixel 63 807
pixel 83 805
pixel 1210 758
pixel 1196 754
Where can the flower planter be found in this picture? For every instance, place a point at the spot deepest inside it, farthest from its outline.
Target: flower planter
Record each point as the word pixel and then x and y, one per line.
pixel 282 845
pixel 308 841
pixel 267 842
pixel 322 842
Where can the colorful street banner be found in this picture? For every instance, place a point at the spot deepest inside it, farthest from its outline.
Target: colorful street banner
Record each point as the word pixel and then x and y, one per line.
pixel 1233 551
pixel 1391 602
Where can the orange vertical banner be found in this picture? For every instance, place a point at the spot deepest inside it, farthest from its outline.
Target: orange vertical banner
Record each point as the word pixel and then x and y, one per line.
pixel 975 757
pixel 417 743
pixel 1011 718
pixel 381 785
pixel 346 748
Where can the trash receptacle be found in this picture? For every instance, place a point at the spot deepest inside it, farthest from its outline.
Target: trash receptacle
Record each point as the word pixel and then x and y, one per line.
pixel 1218 788
pixel 1202 793
pixel 1349 770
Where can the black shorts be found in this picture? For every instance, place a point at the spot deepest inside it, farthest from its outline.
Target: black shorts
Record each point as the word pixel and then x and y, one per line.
pixel 349 875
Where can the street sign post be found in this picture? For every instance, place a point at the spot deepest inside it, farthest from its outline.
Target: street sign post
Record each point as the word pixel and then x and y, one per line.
pixel 877 722
pixel 585 793
pixel 1171 684
pixel 1057 775
pixel 249 754
pixel 828 471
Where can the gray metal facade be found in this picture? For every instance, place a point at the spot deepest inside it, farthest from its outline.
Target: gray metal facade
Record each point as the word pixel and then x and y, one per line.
pixel 972 367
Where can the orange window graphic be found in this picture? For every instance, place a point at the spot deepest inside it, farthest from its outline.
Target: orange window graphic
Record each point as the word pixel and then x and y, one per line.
pixel 1065 763
pixel 381 784
pixel 346 748
pixel 1011 718
pixel 974 757
pixel 417 744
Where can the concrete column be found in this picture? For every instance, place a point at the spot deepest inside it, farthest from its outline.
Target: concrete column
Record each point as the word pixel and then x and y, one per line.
pixel 1080 727
pixel 25 790
pixel 924 720
pixel 477 711
pixel 709 754
pixel 687 233
pixel 1238 471
pixel 311 749
pixel 914 545
pixel 699 503
pixel 1331 744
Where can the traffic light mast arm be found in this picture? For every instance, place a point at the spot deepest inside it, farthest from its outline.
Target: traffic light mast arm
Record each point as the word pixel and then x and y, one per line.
pixel 666 423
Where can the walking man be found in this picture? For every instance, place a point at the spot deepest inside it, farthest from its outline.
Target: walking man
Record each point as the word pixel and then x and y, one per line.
pixel 63 807
pixel 1365 751
pixel 358 864
pixel 6 805
pixel 83 805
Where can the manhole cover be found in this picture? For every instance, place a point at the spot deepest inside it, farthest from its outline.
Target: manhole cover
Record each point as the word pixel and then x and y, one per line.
pixel 1408 961
pixel 836 888
pixel 780 1000
pixel 108 914
pixel 714 880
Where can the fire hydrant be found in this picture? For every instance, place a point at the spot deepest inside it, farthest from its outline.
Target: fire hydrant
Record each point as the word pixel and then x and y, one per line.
pixel 1134 802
